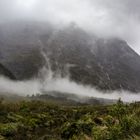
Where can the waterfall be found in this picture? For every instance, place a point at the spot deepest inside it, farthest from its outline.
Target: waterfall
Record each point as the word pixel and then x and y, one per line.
pixel 46 72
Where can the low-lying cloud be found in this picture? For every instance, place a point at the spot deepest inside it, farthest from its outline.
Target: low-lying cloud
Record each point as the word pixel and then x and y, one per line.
pixel 63 85
pixel 19 87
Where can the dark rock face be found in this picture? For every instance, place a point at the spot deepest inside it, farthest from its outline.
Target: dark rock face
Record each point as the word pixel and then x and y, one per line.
pixel 19 49
pixel 5 72
pixel 120 64
pixel 107 64
pixel 26 64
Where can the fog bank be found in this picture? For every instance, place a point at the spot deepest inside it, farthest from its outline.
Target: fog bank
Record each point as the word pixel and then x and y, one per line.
pixel 63 85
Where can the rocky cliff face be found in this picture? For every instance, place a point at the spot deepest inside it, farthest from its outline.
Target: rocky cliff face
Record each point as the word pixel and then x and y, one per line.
pixel 107 64
pixel 5 72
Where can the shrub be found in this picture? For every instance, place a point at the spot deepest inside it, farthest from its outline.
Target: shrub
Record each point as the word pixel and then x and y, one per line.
pixel 9 129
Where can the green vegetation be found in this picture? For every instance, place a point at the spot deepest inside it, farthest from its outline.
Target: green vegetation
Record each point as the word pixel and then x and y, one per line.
pixel 38 120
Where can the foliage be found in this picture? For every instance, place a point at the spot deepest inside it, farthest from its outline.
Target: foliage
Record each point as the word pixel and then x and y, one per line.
pixel 38 120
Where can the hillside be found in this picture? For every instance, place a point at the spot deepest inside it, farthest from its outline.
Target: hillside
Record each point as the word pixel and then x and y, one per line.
pixel 107 64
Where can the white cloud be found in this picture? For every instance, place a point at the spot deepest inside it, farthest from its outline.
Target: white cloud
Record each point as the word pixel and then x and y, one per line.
pixel 63 85
pixel 103 17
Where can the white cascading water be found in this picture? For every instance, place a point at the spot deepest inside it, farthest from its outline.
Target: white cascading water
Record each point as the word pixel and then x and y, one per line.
pixel 46 71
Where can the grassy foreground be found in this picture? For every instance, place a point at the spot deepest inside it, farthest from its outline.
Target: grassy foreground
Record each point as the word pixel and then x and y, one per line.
pixel 38 120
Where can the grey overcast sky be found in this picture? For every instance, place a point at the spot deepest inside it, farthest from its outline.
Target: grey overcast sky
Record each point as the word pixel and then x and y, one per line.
pixel 106 18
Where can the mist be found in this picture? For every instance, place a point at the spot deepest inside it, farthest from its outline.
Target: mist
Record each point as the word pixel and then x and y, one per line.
pixel 62 85
pixel 103 18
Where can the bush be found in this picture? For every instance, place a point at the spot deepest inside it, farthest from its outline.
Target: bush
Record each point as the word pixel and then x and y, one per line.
pixel 8 129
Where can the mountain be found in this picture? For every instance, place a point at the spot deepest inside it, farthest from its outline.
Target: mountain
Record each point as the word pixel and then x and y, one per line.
pixel 107 64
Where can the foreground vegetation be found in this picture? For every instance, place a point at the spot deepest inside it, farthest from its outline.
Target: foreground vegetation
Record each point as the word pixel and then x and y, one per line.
pixel 38 120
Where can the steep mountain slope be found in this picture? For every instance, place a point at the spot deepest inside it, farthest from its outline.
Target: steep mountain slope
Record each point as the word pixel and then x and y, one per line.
pixel 5 72
pixel 120 63
pixel 107 64
pixel 19 48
